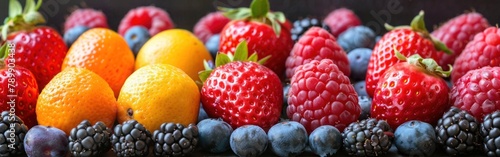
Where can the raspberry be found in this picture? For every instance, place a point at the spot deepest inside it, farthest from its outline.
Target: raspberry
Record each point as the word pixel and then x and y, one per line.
pixel 316 44
pixel 340 20
pixel 320 94
pixel 209 25
pixel 86 17
pixel 153 18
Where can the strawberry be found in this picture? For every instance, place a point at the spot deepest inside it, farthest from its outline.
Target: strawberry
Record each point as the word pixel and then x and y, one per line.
pixel 456 33
pixel 86 17
pixel 408 40
pixel 263 32
pixel 478 92
pixel 411 90
pixel 482 51
pixel 40 49
pixel 153 18
pixel 320 94
pixel 316 44
pixel 209 25
pixel 340 20
pixel 241 91
pixel 19 92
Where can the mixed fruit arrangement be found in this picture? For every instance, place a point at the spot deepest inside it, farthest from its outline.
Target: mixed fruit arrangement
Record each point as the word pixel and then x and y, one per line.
pixel 246 81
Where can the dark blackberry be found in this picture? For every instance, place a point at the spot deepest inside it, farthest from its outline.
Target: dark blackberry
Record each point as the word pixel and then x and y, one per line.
pixel 173 139
pixel 12 131
pixel 131 139
pixel 88 140
pixel 490 131
pixel 302 25
pixel 370 137
pixel 458 132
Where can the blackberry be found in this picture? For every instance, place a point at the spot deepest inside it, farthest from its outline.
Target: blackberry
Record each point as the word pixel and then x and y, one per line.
pixel 458 132
pixel 173 139
pixel 12 130
pixel 490 131
pixel 131 139
pixel 302 25
pixel 88 140
pixel 370 137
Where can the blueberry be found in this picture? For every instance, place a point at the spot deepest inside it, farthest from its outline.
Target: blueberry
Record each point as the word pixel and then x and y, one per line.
pixel 248 141
pixel 212 44
pixel 202 114
pixel 214 135
pixel 360 89
pixel 287 138
pixel 357 37
pixel 286 88
pixel 325 140
pixel 72 34
pixel 358 62
pixel 377 39
pixel 365 103
pixel 450 85
pixel 136 36
pixel 415 138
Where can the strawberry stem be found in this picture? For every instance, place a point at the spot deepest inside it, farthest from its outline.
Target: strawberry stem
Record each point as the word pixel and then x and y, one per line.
pixel 428 64
pixel 20 19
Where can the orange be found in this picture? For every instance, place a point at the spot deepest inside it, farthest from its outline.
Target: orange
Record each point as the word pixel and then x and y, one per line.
pixel 104 52
pixel 159 93
pixel 176 47
pixel 74 95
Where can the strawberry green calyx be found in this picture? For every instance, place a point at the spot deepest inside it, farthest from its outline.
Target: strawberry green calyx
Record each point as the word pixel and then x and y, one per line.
pixel 3 55
pixel 259 11
pixel 428 64
pixel 240 54
pixel 22 19
pixel 418 25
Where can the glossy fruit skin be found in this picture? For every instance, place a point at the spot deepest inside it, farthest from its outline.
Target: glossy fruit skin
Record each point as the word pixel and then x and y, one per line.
pixel 360 88
pixel 316 44
pixel 301 26
pixel 261 39
pixel 357 37
pixel 340 20
pixel 321 94
pixel 456 33
pixel 358 62
pixel 249 141
pixel 365 103
pixel 325 140
pixel 25 92
pixel 13 134
pixel 86 17
pixel 153 18
pixel 136 36
pixel 40 50
pixel 405 92
pixel 287 138
pixel 72 34
pixel 458 132
pixel 407 42
pixel 214 135
pixel 45 141
pixel 477 92
pixel 212 45
pixel 480 52
pixel 490 133
pixel 415 138
pixel 369 137
pixel 209 25
pixel 234 89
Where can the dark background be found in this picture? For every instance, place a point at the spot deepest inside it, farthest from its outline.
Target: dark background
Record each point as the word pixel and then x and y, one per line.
pixel 185 13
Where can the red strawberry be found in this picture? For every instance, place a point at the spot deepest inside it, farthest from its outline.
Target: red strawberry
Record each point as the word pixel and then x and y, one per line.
pixel 263 32
pixel 483 50
pixel 153 18
pixel 40 49
pixel 340 20
pixel 456 33
pixel 316 44
pixel 407 40
pixel 412 90
pixel 243 91
pixel 209 25
pixel 478 92
pixel 86 17
pixel 320 94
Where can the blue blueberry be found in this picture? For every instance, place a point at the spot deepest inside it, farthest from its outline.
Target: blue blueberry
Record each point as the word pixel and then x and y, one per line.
pixel 136 36
pixel 72 34
pixel 377 39
pixel 287 138
pixel 325 140
pixel 450 85
pixel 212 44
pixel 214 135
pixel 358 62
pixel 415 138
pixel 360 89
pixel 248 141
pixel 202 114
pixel 286 88
pixel 357 37
pixel 365 103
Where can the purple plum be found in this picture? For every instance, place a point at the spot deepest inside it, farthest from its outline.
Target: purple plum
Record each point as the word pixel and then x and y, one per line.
pixel 45 141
